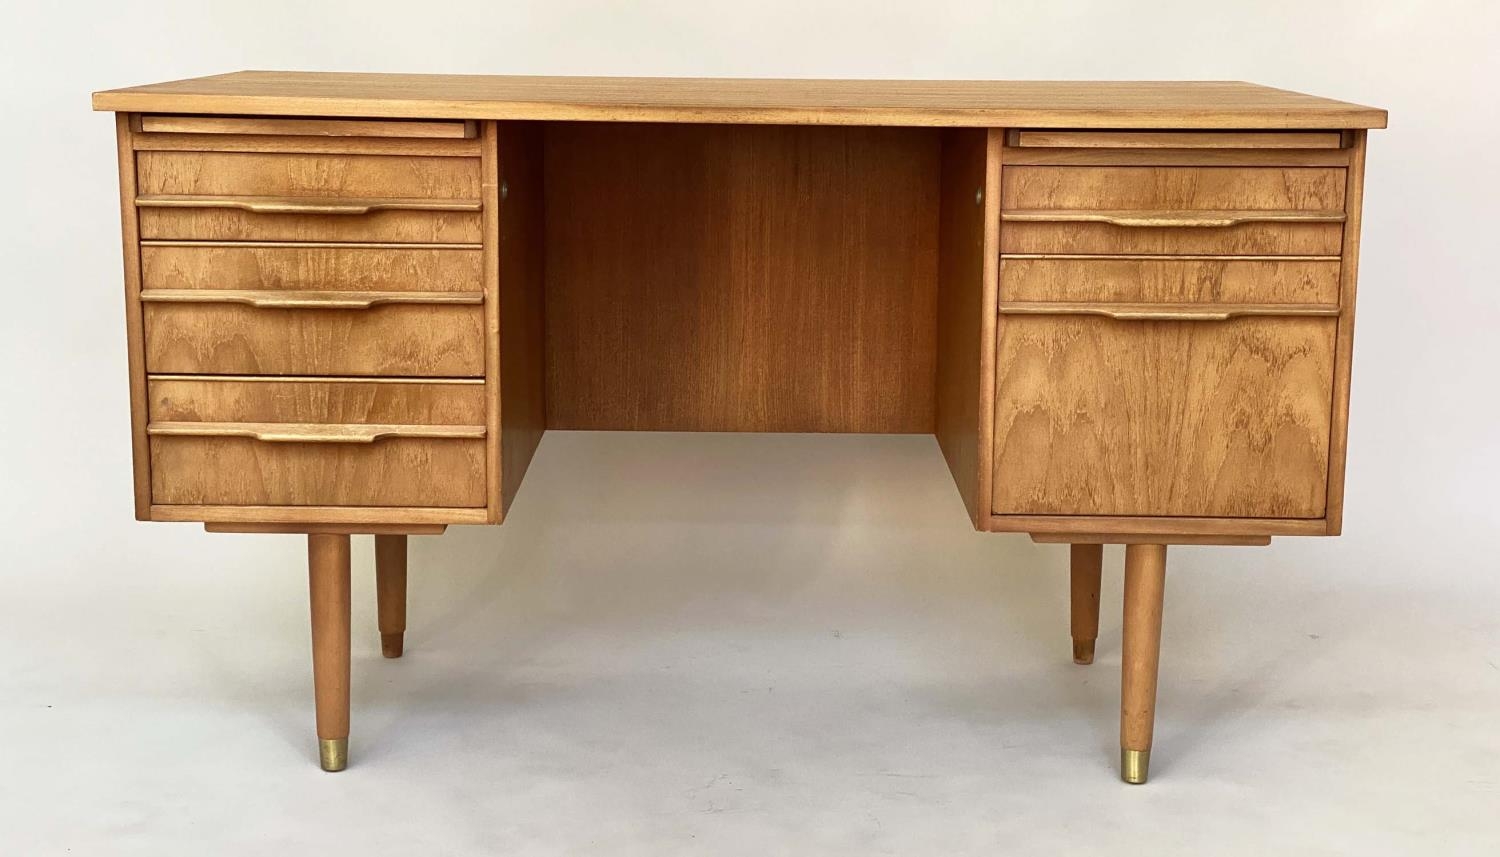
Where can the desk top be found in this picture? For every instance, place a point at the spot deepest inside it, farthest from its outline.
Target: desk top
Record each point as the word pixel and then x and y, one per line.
pixel 959 103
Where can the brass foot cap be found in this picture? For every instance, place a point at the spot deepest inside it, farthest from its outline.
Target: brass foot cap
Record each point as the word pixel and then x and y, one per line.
pixel 333 753
pixel 391 645
pixel 1083 651
pixel 1134 765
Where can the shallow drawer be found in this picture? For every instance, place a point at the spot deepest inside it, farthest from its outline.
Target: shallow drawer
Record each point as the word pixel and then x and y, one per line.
pixel 308 197
pixel 1098 416
pixel 1204 210
pixel 1148 279
pixel 311 267
pixel 316 443
pixel 245 333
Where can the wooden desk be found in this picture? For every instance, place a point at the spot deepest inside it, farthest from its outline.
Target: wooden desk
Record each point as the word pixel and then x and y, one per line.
pixel 355 302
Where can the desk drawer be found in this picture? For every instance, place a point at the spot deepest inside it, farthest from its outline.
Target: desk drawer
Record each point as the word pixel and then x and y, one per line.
pixel 256 442
pixel 1098 416
pixel 1148 279
pixel 244 196
pixel 202 331
pixel 304 267
pixel 1169 210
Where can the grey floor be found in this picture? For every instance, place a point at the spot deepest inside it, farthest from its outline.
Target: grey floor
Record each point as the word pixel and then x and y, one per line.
pixel 727 645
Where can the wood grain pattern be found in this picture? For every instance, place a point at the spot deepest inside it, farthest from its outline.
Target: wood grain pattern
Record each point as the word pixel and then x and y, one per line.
pixel 1199 312
pixel 411 340
pixel 307 145
pixel 215 400
pixel 306 175
pixel 135 348
pixel 245 472
pixel 304 127
pixel 960 292
pixel 1169 280
pixel 963 252
pixel 1174 188
pixel 741 278
pixel 970 103
pixel 316 299
pixel 1210 419
pixel 277 177
pixel 1161 218
pixel 1250 239
pixel 227 224
pixel 1338 436
pixel 401 471
pixel 290 432
pixel 520 323
pixel 259 268
pixel 304 204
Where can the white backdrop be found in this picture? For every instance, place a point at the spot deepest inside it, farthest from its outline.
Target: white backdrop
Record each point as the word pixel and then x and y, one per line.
pixel 92 602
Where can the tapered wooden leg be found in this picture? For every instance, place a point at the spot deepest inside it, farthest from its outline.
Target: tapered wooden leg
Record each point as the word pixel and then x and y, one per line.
pixel 1145 583
pixel 390 593
pixel 328 587
pixel 1087 571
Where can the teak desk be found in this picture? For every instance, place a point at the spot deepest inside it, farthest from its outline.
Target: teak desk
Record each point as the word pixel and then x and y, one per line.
pixel 354 303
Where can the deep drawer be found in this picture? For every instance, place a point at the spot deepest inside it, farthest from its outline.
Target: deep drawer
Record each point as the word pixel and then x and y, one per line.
pixel 1098 416
pixel 256 442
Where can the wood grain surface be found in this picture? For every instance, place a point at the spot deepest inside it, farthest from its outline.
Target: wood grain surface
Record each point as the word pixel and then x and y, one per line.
pixel 1212 419
pixel 1169 280
pixel 311 268
pixel 961 103
pixel 213 400
pixel 521 306
pixel 1174 188
pixel 966 256
pixel 229 339
pixel 741 278
pixel 308 175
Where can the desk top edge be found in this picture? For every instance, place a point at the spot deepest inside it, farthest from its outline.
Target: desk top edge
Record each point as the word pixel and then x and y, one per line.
pixel 937 103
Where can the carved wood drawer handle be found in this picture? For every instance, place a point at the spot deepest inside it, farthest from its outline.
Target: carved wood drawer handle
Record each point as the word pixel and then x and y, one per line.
pixel 1156 219
pixel 304 205
pixel 311 432
pixel 1169 312
pixel 306 299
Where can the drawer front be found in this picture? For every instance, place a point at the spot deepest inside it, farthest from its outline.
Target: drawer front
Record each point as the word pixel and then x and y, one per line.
pixel 1095 416
pixel 422 340
pixel 238 196
pixel 316 443
pixel 276 400
pixel 1170 210
pixel 306 175
pixel 397 227
pixel 1174 188
pixel 311 268
pixel 1171 280
pixel 300 443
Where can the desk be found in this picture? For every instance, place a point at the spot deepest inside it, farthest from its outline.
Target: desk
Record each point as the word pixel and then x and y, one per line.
pixel 355 302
